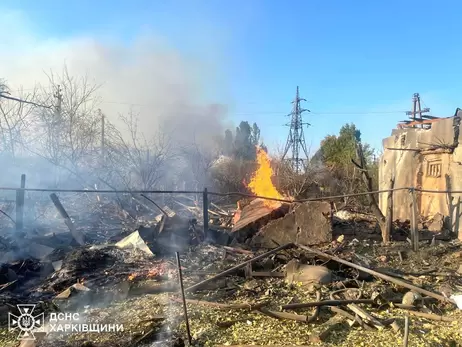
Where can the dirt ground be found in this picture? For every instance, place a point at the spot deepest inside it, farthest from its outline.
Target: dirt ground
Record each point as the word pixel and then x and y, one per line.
pixel 156 317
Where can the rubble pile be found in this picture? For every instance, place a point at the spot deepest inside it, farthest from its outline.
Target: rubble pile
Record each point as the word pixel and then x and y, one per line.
pixel 265 272
pixel 292 296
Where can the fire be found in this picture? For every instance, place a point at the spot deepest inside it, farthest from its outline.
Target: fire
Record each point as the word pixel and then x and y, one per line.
pixel 158 270
pixel 261 183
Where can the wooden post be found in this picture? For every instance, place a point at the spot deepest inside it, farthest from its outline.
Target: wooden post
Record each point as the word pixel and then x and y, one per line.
pixel 386 233
pixel 414 222
pixel 20 195
pixel 205 202
pixel 406 331
pixel 331 213
pixel 450 204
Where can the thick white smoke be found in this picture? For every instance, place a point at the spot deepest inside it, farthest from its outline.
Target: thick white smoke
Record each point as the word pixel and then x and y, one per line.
pixel 162 85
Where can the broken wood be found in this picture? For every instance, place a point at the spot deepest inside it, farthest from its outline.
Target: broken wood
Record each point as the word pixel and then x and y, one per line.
pixel 77 235
pixel 378 274
pixel 331 325
pixel 155 204
pixel 284 315
pixel 152 287
pixel 237 267
pixel 360 313
pixel 365 316
pixel 221 306
pixel 351 317
pixel 406 331
pixel 238 250
pixel 327 303
pixel 431 316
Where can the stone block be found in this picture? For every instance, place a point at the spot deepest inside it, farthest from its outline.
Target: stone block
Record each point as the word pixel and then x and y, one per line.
pixel 307 223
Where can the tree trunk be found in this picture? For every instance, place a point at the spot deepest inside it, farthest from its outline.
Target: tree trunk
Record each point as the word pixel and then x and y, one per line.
pixel 367 179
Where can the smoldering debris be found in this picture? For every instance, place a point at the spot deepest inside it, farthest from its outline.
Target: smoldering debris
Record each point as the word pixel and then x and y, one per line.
pixel 238 291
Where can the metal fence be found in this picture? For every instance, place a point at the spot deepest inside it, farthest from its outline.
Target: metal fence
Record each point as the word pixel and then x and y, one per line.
pixel 20 200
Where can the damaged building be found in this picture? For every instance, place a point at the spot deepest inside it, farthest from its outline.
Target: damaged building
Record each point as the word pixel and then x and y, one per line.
pixel 425 154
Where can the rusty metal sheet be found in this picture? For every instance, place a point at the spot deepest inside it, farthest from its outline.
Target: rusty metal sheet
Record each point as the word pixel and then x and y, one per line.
pixel 253 212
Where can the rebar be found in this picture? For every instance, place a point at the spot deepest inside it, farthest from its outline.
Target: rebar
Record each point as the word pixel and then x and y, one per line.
pixel 185 309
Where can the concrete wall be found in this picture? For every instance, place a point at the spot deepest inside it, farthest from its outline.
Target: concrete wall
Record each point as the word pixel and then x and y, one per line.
pixel 406 156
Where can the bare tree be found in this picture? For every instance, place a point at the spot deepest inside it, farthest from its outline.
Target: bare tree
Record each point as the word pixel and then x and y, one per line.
pixel 298 185
pixel 68 133
pixel 231 175
pixel 199 159
pixel 137 161
pixel 16 118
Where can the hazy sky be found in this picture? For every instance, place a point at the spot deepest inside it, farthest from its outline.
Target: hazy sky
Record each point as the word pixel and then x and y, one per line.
pixel 355 61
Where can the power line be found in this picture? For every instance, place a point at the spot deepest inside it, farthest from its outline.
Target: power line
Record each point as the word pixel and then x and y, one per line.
pixel 4 96
pixel 339 113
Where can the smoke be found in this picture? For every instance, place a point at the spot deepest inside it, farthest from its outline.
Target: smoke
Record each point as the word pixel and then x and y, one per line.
pixel 165 88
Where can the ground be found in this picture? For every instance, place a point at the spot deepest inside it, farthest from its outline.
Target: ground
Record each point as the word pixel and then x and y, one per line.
pixel 432 267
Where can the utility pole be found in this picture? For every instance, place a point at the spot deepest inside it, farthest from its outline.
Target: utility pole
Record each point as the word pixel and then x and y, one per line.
pixel 417 113
pixel 57 117
pixel 59 102
pixel 296 138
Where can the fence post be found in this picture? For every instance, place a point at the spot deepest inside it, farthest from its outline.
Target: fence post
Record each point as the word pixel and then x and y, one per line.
pixel 414 221
pixel 205 202
pixel 389 216
pixel 20 196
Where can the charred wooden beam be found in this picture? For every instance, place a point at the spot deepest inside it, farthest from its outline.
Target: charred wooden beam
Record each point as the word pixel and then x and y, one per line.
pixel 78 236
pixel 155 204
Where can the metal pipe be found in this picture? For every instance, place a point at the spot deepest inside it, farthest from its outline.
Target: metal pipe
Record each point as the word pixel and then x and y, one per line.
pixel 180 276
pixel 237 267
pixel 378 274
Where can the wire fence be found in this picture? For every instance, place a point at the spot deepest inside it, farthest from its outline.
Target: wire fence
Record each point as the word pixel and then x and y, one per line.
pixel 205 191
pixel 21 191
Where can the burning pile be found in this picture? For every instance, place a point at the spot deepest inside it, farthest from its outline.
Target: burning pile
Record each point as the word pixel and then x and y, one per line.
pixel 268 223
pixel 261 183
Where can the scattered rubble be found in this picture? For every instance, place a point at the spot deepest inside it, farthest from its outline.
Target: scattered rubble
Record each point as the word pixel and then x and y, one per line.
pixel 278 274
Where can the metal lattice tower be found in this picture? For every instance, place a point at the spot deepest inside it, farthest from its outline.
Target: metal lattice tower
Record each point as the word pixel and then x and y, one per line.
pixel 417 114
pixel 296 139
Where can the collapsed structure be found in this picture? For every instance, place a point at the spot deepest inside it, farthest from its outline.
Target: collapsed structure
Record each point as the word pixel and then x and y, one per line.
pixel 121 273
pixel 425 154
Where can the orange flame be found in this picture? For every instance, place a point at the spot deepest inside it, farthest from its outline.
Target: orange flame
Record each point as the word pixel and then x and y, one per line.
pixel 261 183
